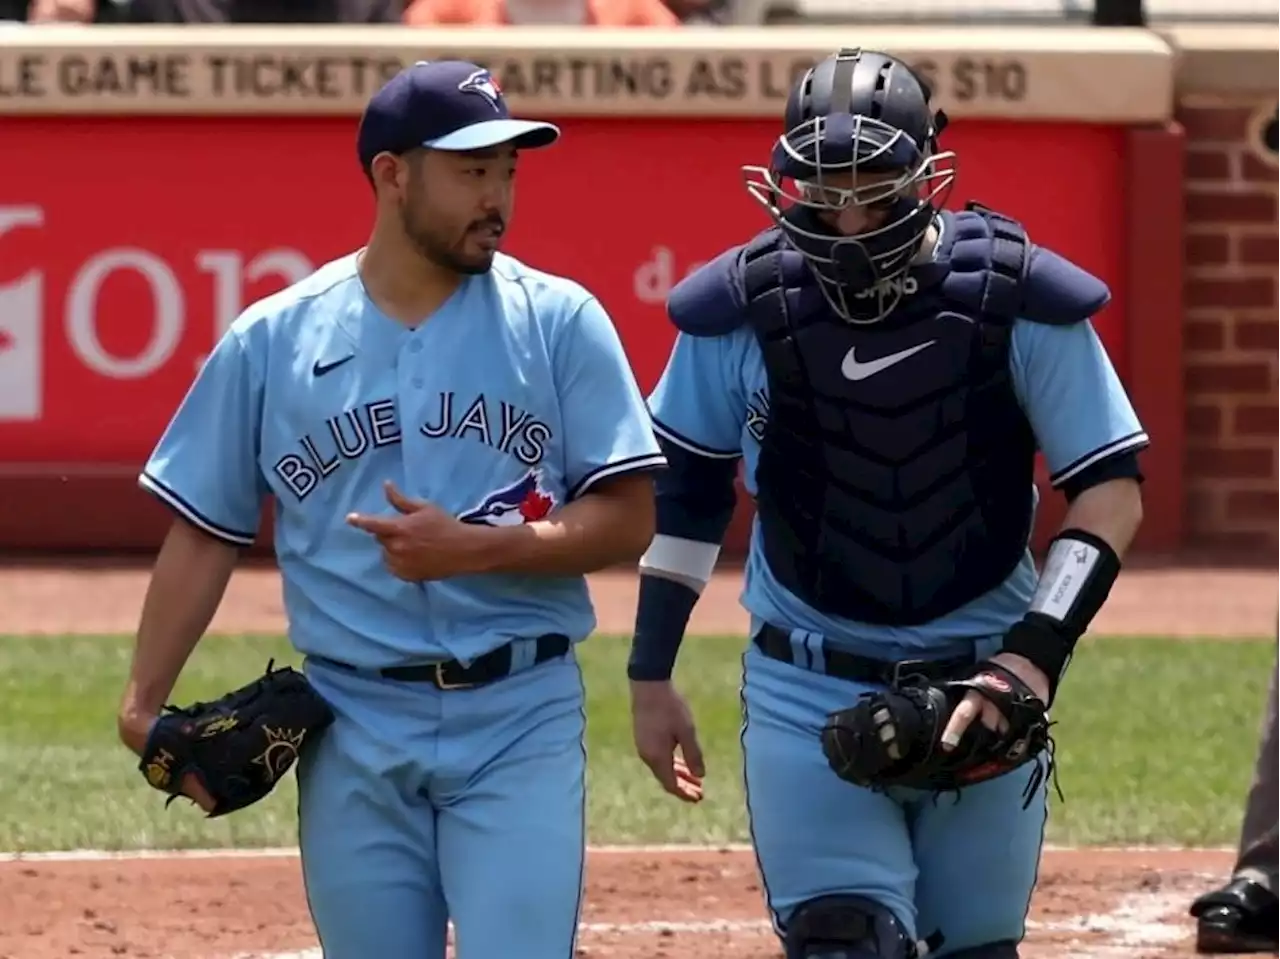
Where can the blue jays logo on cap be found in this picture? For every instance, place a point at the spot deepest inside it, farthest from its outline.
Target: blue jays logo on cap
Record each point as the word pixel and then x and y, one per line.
pixel 524 501
pixel 483 84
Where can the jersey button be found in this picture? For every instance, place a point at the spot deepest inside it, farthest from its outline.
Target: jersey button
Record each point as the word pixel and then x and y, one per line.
pixel 417 382
pixel 415 346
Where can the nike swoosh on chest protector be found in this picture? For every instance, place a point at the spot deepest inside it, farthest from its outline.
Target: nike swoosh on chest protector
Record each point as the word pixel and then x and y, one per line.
pixel 852 369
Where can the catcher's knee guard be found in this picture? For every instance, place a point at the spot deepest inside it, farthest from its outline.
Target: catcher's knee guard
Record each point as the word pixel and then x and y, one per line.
pixel 1005 949
pixel 846 927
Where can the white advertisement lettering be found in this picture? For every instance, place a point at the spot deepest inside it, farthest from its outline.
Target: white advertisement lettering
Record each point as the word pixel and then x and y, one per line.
pixel 168 320
pixel 21 333
pixel 655 278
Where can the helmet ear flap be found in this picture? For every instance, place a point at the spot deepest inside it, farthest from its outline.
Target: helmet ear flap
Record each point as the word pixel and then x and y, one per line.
pixel 940 122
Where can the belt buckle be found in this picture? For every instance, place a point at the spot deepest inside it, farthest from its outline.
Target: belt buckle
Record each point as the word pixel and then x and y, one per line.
pixel 903 669
pixel 444 684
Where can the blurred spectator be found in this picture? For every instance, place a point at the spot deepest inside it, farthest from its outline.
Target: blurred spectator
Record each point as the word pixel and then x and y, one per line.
pixel 595 13
pixel 605 13
pixel 261 11
pixel 702 12
pixel 50 11
pixel 202 11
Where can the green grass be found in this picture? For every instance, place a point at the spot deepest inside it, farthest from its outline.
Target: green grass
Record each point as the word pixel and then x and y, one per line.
pixel 1156 743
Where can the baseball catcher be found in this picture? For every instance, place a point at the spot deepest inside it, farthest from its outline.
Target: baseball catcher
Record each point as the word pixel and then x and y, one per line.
pixel 239 746
pixel 882 368
pixel 895 737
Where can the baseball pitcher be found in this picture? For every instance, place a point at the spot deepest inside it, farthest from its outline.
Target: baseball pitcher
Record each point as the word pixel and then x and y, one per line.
pixel 452 440
pixel 885 370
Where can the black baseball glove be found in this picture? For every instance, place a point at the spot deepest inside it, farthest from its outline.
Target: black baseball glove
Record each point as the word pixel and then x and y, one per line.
pixel 892 738
pixel 240 746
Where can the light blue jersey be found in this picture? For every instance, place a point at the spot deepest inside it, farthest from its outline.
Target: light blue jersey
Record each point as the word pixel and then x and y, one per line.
pixel 713 400
pixel 511 400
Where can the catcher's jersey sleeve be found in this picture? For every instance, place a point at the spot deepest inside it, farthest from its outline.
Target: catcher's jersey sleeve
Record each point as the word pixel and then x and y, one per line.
pixel 699 403
pixel 606 427
pixel 1073 397
pixel 205 466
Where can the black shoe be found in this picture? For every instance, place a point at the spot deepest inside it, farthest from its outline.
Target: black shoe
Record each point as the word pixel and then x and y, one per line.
pixel 1239 917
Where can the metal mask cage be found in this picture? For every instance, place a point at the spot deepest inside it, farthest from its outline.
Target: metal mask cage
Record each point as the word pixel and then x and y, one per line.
pixel 925 180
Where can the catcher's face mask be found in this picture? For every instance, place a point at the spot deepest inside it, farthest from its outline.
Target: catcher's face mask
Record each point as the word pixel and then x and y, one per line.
pixel 856 197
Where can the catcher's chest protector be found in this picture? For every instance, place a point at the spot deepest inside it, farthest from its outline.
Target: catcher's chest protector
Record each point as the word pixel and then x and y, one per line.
pixel 896 466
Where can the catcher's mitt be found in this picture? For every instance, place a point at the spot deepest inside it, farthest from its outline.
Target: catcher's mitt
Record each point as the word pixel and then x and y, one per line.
pixel 240 746
pixel 891 738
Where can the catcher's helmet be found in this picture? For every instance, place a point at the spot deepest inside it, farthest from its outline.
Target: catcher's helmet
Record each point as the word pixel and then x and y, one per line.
pixel 859 133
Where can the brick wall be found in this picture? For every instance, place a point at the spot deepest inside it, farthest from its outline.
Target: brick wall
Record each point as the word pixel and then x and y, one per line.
pixel 1231 328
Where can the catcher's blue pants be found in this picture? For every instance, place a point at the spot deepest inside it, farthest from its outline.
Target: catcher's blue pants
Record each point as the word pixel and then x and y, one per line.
pixel 419 806
pixel 962 867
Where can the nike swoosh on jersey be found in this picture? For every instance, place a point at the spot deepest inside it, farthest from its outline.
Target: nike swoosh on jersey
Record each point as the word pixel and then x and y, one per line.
pixel 851 369
pixel 320 369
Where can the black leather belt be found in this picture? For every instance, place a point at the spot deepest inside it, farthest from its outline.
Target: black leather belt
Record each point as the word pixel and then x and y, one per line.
pixel 840 664
pixel 451 674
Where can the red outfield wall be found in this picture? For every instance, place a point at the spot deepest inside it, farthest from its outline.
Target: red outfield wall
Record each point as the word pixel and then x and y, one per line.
pixel 116 281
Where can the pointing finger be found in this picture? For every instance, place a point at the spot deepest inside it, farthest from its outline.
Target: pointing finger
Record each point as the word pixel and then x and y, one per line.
pixel 376 525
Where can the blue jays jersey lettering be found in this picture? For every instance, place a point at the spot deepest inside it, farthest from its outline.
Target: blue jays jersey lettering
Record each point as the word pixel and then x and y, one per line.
pixel 712 400
pixel 354 432
pixel 514 398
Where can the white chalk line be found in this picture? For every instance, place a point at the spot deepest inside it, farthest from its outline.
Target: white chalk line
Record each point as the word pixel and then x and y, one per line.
pixel 1138 922
pixel 291 852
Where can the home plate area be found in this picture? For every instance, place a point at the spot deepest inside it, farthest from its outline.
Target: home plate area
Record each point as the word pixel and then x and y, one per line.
pixel 654 903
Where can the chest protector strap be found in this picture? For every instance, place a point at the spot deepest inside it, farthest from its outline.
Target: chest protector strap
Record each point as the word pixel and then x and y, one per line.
pixel 764 283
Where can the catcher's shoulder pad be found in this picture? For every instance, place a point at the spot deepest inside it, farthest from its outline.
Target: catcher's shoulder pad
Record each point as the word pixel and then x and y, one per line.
pixel 997 271
pixel 710 301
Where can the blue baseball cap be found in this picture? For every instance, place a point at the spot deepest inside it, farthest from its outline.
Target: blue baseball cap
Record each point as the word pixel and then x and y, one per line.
pixel 444 105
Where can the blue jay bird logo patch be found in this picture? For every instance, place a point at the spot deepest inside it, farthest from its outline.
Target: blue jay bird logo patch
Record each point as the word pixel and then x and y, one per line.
pixel 483 84
pixel 524 501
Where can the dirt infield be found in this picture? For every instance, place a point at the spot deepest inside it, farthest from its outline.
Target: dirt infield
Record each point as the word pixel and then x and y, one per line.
pixel 640 904
pixel 693 904
pixel 105 598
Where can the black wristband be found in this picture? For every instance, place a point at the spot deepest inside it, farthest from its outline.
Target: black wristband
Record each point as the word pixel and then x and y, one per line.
pixel 1036 639
pixel 662 615
pixel 1079 571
